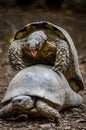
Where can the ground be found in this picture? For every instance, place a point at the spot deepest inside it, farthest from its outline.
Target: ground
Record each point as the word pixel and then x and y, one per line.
pixel 11 19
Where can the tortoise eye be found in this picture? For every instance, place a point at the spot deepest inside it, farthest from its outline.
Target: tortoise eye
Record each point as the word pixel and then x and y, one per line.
pixel 28 43
pixel 38 45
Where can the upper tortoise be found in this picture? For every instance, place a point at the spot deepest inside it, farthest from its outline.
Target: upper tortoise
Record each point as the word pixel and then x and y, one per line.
pixel 45 43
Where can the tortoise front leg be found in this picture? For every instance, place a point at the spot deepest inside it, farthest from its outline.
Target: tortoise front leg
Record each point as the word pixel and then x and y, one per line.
pixel 10 113
pixel 47 111
pixel 15 55
pixel 62 56
pixel 6 110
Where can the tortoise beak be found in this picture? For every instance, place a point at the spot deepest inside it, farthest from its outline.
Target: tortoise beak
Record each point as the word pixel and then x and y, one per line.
pixel 34 53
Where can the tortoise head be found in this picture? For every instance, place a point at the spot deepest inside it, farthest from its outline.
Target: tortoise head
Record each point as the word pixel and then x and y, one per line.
pixel 23 101
pixel 35 42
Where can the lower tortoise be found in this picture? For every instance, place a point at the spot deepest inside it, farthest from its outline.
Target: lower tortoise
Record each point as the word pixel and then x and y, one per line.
pixel 38 90
pixel 45 43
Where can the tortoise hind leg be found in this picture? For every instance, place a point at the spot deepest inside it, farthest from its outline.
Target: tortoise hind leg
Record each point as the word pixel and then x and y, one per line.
pixel 47 111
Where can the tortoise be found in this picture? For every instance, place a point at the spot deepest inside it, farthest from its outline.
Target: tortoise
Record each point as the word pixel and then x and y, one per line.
pixel 38 91
pixel 45 43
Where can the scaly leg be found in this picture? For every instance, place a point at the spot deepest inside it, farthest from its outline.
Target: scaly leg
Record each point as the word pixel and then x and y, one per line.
pixel 5 111
pixel 62 57
pixel 49 112
pixel 15 55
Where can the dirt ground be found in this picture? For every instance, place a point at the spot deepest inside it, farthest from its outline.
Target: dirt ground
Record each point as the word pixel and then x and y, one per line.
pixel 11 19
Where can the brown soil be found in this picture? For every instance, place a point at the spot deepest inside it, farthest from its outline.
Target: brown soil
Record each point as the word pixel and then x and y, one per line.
pixel 75 24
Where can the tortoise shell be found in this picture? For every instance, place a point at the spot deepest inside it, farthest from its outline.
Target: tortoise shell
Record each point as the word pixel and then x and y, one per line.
pixel 41 81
